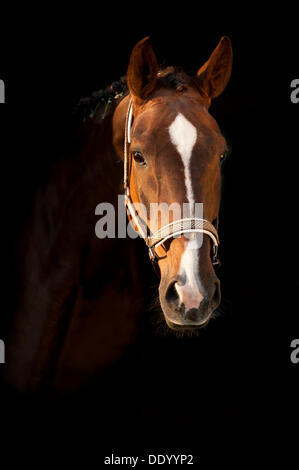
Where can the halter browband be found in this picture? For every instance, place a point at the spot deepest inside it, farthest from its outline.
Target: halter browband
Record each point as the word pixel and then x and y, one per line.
pixel 175 228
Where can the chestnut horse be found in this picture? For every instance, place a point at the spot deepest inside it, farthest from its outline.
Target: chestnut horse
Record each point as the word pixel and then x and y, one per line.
pixel 81 296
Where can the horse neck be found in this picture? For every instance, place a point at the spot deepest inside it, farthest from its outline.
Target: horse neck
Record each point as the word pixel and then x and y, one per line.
pixel 93 160
pixel 89 173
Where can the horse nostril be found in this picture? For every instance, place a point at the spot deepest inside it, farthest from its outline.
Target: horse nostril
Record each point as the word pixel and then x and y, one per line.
pixel 171 296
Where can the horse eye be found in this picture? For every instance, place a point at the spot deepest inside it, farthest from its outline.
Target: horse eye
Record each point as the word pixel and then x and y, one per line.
pixel 222 157
pixel 139 158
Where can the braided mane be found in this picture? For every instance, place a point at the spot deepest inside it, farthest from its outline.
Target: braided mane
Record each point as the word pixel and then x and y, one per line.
pixel 87 107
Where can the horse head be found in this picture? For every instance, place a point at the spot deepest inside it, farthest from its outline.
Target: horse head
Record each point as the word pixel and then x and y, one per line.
pixel 175 151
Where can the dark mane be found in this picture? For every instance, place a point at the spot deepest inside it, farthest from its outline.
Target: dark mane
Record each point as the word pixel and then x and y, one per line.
pixel 88 106
pixel 100 100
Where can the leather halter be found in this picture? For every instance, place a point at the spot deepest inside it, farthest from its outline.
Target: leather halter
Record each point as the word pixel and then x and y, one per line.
pixel 175 228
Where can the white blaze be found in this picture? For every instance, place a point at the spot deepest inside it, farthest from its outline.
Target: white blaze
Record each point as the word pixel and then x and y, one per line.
pixel 183 135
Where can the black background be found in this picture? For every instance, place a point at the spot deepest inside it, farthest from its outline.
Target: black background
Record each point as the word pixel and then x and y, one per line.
pixel 232 393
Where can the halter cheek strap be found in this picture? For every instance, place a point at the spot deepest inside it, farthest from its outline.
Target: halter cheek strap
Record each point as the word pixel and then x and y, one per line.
pixel 175 228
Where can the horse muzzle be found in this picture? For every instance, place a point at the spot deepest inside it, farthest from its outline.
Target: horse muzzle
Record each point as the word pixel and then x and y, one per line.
pixel 184 306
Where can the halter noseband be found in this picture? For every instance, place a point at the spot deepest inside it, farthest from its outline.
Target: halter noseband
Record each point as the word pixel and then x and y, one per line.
pixel 175 228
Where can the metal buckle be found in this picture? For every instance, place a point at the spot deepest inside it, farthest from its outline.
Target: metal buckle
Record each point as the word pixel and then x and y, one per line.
pixel 152 254
pixel 215 260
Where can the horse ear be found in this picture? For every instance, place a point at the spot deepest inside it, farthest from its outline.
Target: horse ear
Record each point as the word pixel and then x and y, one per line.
pixel 214 75
pixel 142 70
